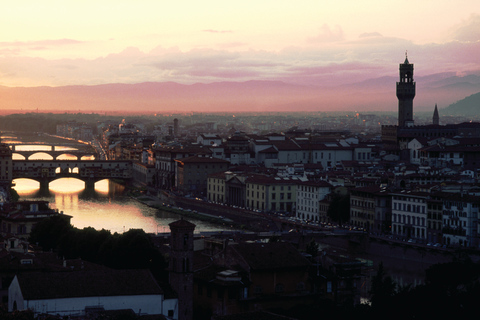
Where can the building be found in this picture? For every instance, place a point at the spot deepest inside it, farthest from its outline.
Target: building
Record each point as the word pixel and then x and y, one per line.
pixel 80 292
pixel 409 215
pixel 19 218
pixel 246 277
pixel 309 196
pixel 405 131
pixel 165 166
pixel 143 174
pixel 192 173
pixel 5 165
pixel 270 193
pixel 405 94
pixel 434 221
pixel 362 207
pixel 181 266
pixel 460 219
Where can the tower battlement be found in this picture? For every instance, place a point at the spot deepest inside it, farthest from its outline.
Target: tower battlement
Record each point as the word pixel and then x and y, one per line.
pixel 406 90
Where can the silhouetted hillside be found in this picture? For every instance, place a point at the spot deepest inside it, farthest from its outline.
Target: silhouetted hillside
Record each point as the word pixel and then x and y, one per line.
pixel 249 96
pixel 468 106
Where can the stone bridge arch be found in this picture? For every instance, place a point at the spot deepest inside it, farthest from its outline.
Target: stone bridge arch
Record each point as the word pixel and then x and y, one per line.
pixel 91 172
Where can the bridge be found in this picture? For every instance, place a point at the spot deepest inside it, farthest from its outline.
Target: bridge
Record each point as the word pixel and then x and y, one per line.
pixel 52 150
pixel 89 171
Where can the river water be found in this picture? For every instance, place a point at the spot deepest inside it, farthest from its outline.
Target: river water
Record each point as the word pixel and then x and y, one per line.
pixel 108 208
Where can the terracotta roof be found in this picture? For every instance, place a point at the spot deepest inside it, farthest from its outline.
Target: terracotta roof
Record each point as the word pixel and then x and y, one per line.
pixel 182 224
pixel 285 145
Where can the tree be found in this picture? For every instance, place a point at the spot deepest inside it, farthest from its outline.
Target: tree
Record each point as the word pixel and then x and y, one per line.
pixel 48 232
pixel 312 248
pixel 383 289
pixel 339 209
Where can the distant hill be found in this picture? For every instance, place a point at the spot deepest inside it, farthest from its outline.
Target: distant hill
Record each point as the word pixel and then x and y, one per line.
pixel 470 106
pixel 376 94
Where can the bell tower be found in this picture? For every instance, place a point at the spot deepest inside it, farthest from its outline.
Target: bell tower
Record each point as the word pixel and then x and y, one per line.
pixel 405 94
pixel 436 117
pixel 181 266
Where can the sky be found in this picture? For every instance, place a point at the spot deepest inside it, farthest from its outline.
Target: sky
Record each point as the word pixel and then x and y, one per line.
pixel 309 42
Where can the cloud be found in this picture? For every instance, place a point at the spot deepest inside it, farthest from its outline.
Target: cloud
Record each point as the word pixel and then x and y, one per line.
pixel 468 30
pixel 370 35
pixel 328 34
pixel 335 68
pixel 369 56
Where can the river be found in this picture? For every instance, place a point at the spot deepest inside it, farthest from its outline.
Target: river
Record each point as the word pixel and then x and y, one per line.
pixel 108 208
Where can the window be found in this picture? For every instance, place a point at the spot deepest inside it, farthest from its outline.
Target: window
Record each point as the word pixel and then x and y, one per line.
pixel 279 288
pixel 258 289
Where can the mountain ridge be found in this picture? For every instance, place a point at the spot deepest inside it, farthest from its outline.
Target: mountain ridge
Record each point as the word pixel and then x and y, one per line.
pixel 253 95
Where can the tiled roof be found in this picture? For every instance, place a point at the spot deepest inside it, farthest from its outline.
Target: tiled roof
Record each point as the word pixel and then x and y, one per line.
pixel 87 283
pixel 182 224
pixel 197 159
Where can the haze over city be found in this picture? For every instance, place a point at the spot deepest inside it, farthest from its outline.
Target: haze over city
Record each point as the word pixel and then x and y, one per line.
pixel 313 53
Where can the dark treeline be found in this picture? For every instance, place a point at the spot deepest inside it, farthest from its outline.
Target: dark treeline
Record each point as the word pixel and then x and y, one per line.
pixel 133 249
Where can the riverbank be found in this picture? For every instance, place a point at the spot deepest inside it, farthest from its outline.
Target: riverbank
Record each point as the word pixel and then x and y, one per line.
pixel 158 204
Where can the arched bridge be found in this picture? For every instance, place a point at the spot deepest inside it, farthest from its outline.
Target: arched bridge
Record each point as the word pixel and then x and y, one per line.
pixel 90 171
pixel 55 151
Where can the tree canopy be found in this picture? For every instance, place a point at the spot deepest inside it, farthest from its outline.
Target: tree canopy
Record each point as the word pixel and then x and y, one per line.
pixel 339 209
pixel 130 250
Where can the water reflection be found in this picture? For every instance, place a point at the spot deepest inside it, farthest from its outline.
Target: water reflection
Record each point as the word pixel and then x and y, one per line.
pixel 28 147
pixel 106 208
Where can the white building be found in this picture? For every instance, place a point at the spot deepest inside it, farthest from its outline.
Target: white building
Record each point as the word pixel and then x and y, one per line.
pixel 309 195
pixel 409 215
pixel 74 293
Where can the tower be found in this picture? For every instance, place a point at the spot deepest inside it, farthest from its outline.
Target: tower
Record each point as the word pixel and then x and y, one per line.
pixel 181 266
pixel 175 128
pixel 5 165
pixel 405 94
pixel 436 117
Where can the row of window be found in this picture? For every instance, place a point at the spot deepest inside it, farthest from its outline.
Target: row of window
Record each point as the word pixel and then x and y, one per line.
pixel 406 219
pixel 409 208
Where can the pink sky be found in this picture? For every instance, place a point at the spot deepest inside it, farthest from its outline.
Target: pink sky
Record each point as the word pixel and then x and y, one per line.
pixel 311 42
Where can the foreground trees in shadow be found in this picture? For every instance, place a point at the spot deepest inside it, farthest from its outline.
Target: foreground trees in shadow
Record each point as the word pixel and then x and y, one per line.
pixel 133 249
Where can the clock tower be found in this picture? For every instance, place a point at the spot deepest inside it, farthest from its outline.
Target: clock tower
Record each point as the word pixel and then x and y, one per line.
pixel 405 94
